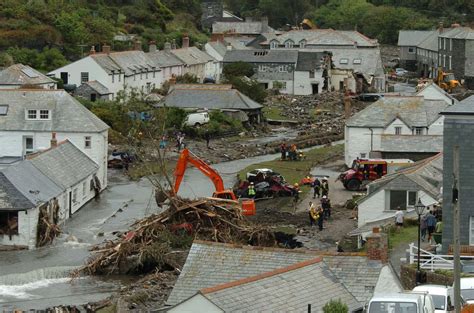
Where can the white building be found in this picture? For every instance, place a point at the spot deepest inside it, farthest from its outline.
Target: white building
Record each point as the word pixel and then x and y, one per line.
pixel 196 62
pixel 28 119
pixel 395 127
pixel 169 64
pixel 53 184
pixel 310 74
pixel 420 181
pixel 19 75
pixel 117 71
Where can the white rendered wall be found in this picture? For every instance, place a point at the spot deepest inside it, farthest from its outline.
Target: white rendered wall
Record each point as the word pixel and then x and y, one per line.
pixel 303 84
pixel 357 140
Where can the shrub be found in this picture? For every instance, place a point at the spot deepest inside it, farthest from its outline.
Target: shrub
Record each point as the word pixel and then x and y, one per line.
pixel 238 69
pixel 335 306
pixel 175 118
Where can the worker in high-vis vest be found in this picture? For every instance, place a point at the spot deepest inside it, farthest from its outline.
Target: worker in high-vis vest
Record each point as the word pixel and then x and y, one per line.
pixel 251 191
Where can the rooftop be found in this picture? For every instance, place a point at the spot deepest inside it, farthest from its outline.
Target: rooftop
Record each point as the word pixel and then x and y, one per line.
pixel 208 96
pixel 413 38
pixel 410 143
pixel 241 27
pixel 459 33
pixel 66 113
pixel 11 199
pixel 324 37
pixel 128 62
pixel 165 58
pixel 465 107
pixel 19 74
pixel 414 111
pixel 309 61
pixel 192 56
pixel 97 86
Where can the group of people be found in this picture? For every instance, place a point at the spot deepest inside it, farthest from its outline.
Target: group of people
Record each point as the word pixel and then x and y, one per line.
pixel 320 187
pixel 318 214
pixel 430 224
pixel 289 153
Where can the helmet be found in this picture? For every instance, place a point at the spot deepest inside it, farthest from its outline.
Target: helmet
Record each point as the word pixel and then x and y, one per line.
pixel 324 197
pixel 296 185
pixel 251 183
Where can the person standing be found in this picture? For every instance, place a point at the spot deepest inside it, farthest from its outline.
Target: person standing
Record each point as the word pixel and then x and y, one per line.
pixel 283 151
pixel 431 223
pixel 320 218
pixel 399 219
pixel 326 206
pixel 325 187
pixel 251 191
pixel 207 136
pixel 312 214
pixel 316 187
pixel 296 195
pixel 423 227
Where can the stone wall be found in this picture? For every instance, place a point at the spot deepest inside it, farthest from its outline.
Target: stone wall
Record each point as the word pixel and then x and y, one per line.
pixel 377 246
pixel 408 278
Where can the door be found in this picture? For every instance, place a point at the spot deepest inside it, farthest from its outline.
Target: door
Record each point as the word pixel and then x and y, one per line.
pixel 28 145
pixel 64 77
pixel 70 203
pixel 341 85
pixel 315 88
pixel 93 97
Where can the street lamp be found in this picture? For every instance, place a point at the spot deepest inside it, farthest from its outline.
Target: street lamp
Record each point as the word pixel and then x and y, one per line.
pixel 419 208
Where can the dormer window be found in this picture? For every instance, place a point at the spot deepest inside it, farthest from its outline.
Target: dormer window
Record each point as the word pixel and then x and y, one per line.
pixel 273 44
pixel 32 114
pixel 343 61
pixel 289 44
pixel 302 44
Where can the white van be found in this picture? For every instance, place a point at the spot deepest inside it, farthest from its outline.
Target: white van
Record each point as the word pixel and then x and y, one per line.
pixel 401 303
pixel 467 289
pixel 197 119
pixel 443 296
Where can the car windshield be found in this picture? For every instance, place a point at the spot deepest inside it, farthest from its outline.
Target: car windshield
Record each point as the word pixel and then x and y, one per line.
pixel 467 294
pixel 392 307
pixel 439 301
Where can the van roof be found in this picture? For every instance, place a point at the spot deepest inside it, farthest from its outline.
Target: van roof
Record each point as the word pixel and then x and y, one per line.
pixel 433 289
pixel 407 297
pixel 467 283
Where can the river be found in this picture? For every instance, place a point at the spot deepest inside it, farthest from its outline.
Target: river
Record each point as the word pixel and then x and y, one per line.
pixel 36 279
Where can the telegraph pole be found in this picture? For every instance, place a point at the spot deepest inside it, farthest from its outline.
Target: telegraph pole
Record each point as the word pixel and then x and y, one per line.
pixel 456 218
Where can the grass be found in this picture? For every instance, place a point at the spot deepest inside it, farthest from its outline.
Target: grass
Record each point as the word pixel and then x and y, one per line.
pixel 108 309
pixel 294 171
pixel 406 235
pixel 274 113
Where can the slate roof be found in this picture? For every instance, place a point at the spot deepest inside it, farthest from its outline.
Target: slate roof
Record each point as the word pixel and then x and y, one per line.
pixel 411 143
pixel 427 174
pixel 248 28
pixel 238 42
pixel 19 74
pixel 323 37
pixel 430 42
pixel 208 97
pixel 67 114
pixel 192 56
pixel 97 86
pixel 261 56
pixel 370 61
pixel 412 38
pixel 414 111
pixel 458 33
pixel 32 183
pixel 212 264
pixel 219 47
pixel 209 265
pixel 465 107
pixel 66 165
pixel 11 199
pixel 289 289
pixel 440 90
pixel 165 58
pixel 309 61
pixel 128 62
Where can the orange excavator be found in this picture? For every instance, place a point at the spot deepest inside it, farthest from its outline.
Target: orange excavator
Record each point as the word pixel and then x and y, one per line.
pixel 248 206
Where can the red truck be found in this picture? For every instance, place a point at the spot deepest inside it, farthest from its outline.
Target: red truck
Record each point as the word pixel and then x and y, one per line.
pixel 364 171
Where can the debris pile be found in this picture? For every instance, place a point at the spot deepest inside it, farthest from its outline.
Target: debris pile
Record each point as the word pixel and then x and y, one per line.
pixel 48 219
pixel 160 240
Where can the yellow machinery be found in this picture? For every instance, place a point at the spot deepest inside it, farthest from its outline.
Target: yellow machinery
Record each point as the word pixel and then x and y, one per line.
pixel 446 80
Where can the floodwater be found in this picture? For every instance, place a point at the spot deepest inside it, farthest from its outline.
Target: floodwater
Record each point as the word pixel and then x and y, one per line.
pixel 38 279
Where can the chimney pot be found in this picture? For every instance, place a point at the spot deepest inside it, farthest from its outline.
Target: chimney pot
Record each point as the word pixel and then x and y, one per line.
pixel 377 246
pixel 167 46
pixel 152 46
pixel 137 45
pixel 173 45
pixel 105 48
pixel 92 50
pixel 185 43
pixel 376 230
pixel 54 141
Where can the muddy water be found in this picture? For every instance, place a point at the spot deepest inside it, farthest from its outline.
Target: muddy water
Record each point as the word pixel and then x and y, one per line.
pixel 37 279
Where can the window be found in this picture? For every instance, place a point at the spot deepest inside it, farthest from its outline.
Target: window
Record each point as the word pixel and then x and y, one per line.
pixel 146 75
pixel 444 43
pixel 154 73
pixel 84 189
pixel 343 61
pixel 411 50
pixel 134 76
pixel 120 77
pixel 84 77
pixel 450 44
pixel 113 77
pixel 311 74
pixel 418 130
pixel 357 61
pixel 29 146
pixel 263 68
pixel 471 231
pixel 363 155
pixel 282 69
pixel 444 60
pixel 411 198
pixel 398 199
pixel 74 195
pixel 302 44
pixel 44 114
pixel 141 75
pixel 87 142
pixel 8 223
pixel 274 44
pixel 439 43
pixel 3 109
pixel 398 130
pixel 289 44
pixel 31 114
pixel 450 59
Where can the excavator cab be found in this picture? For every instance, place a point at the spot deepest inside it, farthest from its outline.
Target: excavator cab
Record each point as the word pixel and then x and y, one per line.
pixel 226 194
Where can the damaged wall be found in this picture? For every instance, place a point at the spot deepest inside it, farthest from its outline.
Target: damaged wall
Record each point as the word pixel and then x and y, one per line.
pixel 27 222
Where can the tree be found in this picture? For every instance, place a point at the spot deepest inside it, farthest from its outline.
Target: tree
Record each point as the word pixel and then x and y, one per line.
pixel 335 306
pixel 250 88
pixel 238 69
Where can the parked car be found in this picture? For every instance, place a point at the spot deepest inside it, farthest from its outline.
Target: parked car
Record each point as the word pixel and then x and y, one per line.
pixel 197 119
pixel 369 97
pixel 401 302
pixel 400 71
pixel 260 174
pixel 443 296
pixel 467 289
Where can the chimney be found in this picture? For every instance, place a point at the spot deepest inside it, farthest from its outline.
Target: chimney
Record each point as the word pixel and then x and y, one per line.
pixel 185 42
pixel 92 50
pixel 152 46
pixel 377 246
pixel 355 44
pixel 54 141
pixel 229 47
pixel 105 48
pixel 455 25
pixel 441 27
pixel 216 37
pixel 137 45
pixel 167 46
pixel 173 45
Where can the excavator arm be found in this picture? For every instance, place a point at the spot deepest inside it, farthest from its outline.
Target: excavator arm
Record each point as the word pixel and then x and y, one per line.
pixel 187 157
